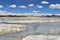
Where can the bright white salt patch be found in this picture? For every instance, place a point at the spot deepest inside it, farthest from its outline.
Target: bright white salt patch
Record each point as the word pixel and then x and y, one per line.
pixel 52 21
pixel 42 37
pixel 11 27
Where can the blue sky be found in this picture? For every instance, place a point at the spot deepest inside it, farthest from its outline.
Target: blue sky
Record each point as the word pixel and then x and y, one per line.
pixel 30 6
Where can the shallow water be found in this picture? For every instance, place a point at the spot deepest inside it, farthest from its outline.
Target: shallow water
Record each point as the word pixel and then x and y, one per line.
pixel 33 28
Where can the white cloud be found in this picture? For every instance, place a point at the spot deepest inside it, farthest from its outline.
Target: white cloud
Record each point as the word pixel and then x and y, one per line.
pixel 39 6
pixel 22 6
pixel 31 5
pixel 1 6
pixel 54 6
pixel 13 6
pixel 35 11
pixel 6 13
pixel 44 2
pixel 3 12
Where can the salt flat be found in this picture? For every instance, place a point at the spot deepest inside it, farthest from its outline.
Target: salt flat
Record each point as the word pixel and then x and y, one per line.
pixel 20 27
pixel 42 37
pixel 28 19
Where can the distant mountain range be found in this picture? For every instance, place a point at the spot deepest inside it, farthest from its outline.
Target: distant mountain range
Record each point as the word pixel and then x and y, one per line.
pixel 23 15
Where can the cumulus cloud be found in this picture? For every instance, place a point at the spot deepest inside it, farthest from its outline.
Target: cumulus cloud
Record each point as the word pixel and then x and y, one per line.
pixel 1 6
pixel 35 11
pixel 44 2
pixel 54 6
pixel 6 13
pixel 10 13
pixel 3 12
pixel 13 6
pixel 39 6
pixel 22 6
pixel 31 5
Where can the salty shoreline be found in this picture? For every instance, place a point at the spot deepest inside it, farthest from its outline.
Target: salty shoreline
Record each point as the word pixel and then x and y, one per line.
pixel 30 25
pixel 28 19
